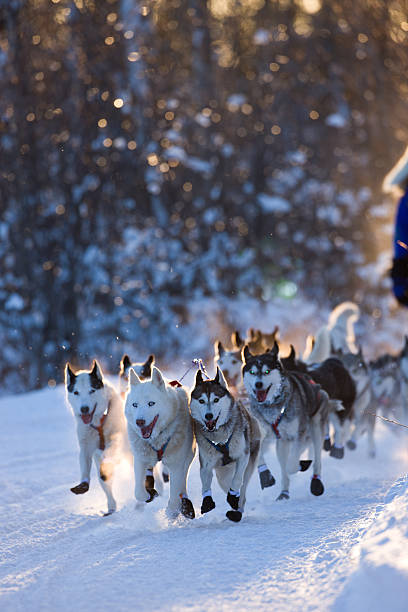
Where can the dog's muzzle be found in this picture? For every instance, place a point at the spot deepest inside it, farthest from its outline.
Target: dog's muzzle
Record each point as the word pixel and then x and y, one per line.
pixel 88 416
pixel 261 394
pixel 211 424
pixel 146 430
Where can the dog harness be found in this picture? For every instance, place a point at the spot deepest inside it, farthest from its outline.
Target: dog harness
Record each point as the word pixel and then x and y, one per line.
pixel 99 428
pixel 276 423
pixel 161 450
pixel 223 449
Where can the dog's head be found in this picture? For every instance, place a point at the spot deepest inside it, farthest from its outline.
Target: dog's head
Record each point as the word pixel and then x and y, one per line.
pixel 210 401
pixel 148 408
pixel 229 363
pixel 86 393
pixel 357 367
pixel 262 374
pixel 142 369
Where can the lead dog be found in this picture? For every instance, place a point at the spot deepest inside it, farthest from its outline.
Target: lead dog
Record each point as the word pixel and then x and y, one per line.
pixel 291 409
pixel 101 427
pixel 160 429
pixel 228 441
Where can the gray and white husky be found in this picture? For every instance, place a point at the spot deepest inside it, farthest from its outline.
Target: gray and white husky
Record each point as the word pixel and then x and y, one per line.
pixel 230 363
pixel 364 408
pixel 291 409
pixel 101 427
pixel 160 429
pixel 228 439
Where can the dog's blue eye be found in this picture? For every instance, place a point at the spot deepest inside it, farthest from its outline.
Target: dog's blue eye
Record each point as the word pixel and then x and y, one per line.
pixel 216 399
pixel 134 405
pixel 201 401
pixel 151 403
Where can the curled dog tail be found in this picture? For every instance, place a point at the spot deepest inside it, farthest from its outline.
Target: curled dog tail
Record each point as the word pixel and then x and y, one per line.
pixel 322 347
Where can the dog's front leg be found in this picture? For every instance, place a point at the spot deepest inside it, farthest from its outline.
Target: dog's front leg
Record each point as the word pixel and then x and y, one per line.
pixel 178 500
pixel 206 475
pixel 282 450
pixel 85 463
pixel 316 485
pixel 140 471
pixel 265 476
pixel 233 497
pixel 105 478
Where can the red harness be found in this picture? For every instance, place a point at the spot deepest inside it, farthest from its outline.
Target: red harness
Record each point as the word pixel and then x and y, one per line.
pixel 99 429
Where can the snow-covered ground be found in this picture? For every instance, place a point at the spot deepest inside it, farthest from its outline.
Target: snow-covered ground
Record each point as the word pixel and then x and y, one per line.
pixel 344 551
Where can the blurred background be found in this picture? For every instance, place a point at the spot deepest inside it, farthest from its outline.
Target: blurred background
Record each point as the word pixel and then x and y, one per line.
pixel 173 169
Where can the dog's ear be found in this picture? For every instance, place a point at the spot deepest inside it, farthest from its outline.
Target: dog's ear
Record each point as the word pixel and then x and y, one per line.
pixel 157 378
pixel 275 349
pixel 219 349
pixel 219 378
pixel 96 376
pixel 251 333
pixel 292 354
pixel 125 363
pixel 70 377
pixel 275 332
pixel 199 378
pixel 360 351
pixel 133 378
pixel 246 354
pixel 236 340
pixel 147 366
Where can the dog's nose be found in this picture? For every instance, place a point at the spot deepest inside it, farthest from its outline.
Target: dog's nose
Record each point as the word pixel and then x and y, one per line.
pixel 259 384
pixel 208 416
pixel 140 422
pixel 84 409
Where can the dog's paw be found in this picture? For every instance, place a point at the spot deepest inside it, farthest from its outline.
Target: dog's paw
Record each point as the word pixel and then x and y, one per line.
pixel 234 515
pixel 283 495
pixel 81 488
pixel 337 452
pixel 233 500
pixel 327 444
pixel 304 464
pixel 351 445
pixel 207 505
pixel 187 508
pixel 316 486
pixel 166 477
pixel 266 479
pixel 152 493
pixel 109 512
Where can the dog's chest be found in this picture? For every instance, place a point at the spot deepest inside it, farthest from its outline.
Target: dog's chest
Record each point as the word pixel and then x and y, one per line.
pixel 278 423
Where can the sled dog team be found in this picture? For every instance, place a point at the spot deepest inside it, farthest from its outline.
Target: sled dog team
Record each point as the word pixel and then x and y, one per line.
pixel 327 401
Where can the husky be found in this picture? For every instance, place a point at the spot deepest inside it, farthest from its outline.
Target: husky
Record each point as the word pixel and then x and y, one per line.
pixel 335 379
pixel 364 410
pixel 144 371
pixel 160 429
pixel 338 334
pixel 292 409
pixel 230 363
pixel 386 382
pixel 101 427
pixel 228 441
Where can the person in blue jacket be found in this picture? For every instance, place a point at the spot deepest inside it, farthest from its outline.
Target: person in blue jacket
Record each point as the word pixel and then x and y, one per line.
pixel 396 182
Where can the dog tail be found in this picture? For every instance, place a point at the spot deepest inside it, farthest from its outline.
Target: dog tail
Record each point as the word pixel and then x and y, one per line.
pixel 322 347
pixel 343 313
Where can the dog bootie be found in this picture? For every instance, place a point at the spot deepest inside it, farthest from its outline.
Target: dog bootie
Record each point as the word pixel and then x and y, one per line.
pixel 81 488
pixel 187 508
pixel 266 479
pixel 233 499
pixel 327 444
pixel 304 464
pixel 351 445
pixel 208 504
pixel 337 452
pixel 234 515
pixel 316 486
pixel 283 495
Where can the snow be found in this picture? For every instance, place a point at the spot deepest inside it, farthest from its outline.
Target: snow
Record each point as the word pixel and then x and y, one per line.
pixel 336 120
pixel 343 551
pixel 274 204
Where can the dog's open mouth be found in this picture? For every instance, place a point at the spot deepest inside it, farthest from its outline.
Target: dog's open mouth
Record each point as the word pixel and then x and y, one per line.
pixel 87 418
pixel 211 425
pixel 261 394
pixel 147 430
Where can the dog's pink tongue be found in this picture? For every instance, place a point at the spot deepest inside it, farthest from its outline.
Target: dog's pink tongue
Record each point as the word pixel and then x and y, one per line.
pixel 261 395
pixel 87 418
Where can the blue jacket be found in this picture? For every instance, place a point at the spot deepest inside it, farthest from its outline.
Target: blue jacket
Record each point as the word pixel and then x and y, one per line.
pixel 399 272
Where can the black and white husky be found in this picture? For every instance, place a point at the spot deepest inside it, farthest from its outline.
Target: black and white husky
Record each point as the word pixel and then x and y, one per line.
pixel 291 409
pixel 335 379
pixel 160 429
pixel 228 441
pixel 101 427
pixel 142 369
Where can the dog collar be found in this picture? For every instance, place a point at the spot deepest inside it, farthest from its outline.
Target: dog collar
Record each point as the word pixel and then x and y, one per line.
pixel 99 428
pixel 161 450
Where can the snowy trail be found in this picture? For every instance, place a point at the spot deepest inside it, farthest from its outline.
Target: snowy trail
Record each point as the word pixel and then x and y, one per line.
pixel 57 553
